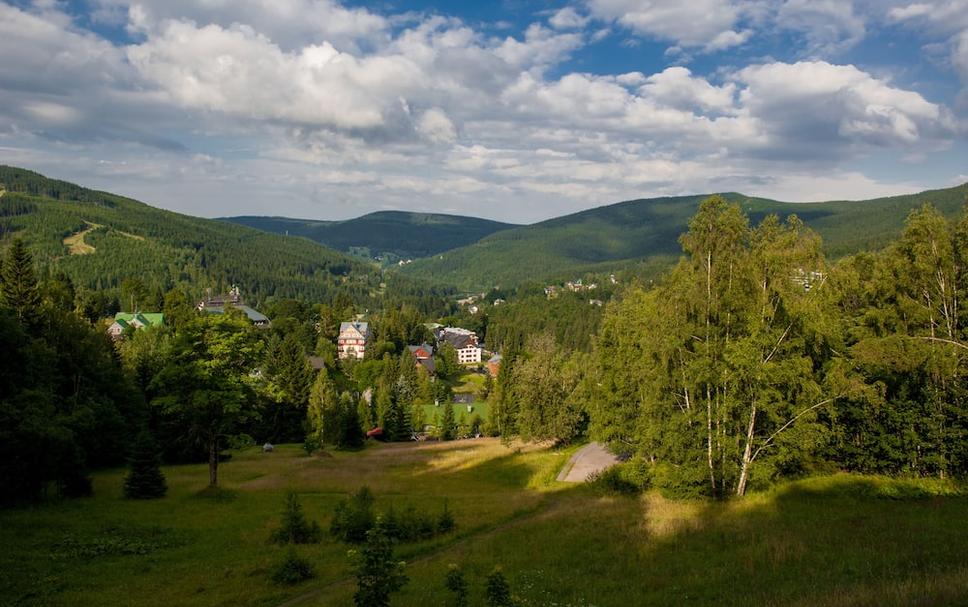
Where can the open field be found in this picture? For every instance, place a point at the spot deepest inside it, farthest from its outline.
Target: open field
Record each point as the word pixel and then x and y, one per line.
pixel 838 540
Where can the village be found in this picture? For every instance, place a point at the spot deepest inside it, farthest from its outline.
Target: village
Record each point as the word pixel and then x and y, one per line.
pixel 469 383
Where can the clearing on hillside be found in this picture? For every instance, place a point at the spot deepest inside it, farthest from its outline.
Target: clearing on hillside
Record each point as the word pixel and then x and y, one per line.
pixel 841 540
pixel 75 242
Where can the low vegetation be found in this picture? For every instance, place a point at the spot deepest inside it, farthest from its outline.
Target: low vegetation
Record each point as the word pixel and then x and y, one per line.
pixel 864 540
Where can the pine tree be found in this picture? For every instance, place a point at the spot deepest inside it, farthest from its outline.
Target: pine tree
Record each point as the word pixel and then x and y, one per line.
pixel 447 423
pixel 295 529
pixel 498 592
pixel 19 288
pixel 457 585
pixel 145 479
pixel 350 433
pixel 323 411
pixel 377 574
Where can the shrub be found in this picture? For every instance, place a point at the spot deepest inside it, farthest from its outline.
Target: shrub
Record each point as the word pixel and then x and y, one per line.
pixel 311 445
pixel 457 585
pixel 353 517
pixel 145 479
pixel 445 522
pixel 616 480
pixel 295 528
pixel 498 591
pixel 292 569
pixel 239 442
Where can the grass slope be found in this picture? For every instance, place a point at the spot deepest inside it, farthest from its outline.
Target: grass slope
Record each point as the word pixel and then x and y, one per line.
pixel 402 234
pixel 123 238
pixel 829 541
pixel 647 231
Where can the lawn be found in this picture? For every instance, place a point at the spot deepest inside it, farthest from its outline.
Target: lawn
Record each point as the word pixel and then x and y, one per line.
pixel 839 540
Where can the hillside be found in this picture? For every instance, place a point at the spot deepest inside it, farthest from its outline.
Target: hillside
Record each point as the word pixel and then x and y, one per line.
pixel 645 232
pixel 400 234
pixel 100 239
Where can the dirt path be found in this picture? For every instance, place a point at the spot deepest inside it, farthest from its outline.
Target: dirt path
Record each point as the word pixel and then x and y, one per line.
pixel 591 458
pixel 75 242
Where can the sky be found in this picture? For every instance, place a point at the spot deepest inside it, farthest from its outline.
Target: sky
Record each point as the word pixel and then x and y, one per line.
pixel 506 109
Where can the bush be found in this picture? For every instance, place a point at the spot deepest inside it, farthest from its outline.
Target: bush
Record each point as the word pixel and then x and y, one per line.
pixel 498 592
pixel 239 442
pixel 445 522
pixel 457 585
pixel 354 517
pixel 618 480
pixel 295 528
pixel 311 445
pixel 292 569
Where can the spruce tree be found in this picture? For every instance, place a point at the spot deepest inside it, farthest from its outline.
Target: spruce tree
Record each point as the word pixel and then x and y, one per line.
pixel 323 411
pixel 295 528
pixel 350 434
pixel 457 585
pixel 377 574
pixel 145 479
pixel 447 423
pixel 498 592
pixel 18 289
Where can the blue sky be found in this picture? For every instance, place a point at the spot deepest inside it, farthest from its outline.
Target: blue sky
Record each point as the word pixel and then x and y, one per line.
pixel 511 110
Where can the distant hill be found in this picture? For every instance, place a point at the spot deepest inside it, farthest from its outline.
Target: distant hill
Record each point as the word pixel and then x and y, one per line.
pixel 400 234
pixel 100 239
pixel 645 232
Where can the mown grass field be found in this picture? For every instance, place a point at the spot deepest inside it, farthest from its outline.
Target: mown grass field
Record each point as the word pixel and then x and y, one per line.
pixel 830 541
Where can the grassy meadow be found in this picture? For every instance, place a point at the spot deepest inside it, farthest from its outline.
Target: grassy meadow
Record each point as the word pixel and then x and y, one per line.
pixel 840 540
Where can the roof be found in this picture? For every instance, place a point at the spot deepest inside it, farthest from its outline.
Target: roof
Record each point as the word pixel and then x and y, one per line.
pixel 425 347
pixel 147 319
pixel 459 341
pixel 362 328
pixel 496 358
pixel 317 362
pixel 252 314
pixel 429 364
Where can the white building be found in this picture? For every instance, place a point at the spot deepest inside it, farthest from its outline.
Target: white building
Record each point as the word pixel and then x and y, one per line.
pixel 353 339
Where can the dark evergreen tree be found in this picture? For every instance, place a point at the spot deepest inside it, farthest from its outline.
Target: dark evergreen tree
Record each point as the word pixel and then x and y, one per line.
pixel 18 287
pixel 498 592
pixel 295 528
pixel 457 585
pixel 447 422
pixel 145 479
pixel 378 575
pixel 350 432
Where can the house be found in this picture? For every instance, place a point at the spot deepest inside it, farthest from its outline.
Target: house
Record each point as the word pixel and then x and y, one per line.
pixel 464 341
pixel 494 365
pixel 135 321
pixel 256 317
pixel 424 356
pixel 219 303
pixel 353 339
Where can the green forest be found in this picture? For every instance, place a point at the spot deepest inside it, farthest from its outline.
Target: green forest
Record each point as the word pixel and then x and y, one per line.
pixel 761 359
pixel 392 234
pixel 642 236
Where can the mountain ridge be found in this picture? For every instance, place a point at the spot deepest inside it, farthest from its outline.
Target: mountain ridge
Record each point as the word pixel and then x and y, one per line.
pixel 400 234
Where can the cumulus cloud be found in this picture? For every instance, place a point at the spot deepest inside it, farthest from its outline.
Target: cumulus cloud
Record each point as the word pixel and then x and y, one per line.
pixel 829 26
pixel 373 110
pixel 706 24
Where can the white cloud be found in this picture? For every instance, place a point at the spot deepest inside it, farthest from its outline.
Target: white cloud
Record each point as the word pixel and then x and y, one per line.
pixel 829 26
pixel 436 126
pixel 708 24
pixel 305 121
pixel 566 19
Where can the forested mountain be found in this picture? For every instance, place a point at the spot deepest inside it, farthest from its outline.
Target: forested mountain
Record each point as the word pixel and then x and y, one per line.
pixel 400 234
pixel 645 232
pixel 100 240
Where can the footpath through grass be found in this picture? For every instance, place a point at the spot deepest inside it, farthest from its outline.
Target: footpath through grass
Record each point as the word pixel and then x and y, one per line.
pixel 839 540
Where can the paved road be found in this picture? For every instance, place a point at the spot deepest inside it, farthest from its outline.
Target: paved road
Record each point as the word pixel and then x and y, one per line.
pixel 591 458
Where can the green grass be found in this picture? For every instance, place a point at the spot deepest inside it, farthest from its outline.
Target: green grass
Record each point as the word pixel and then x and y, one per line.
pixel 839 540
